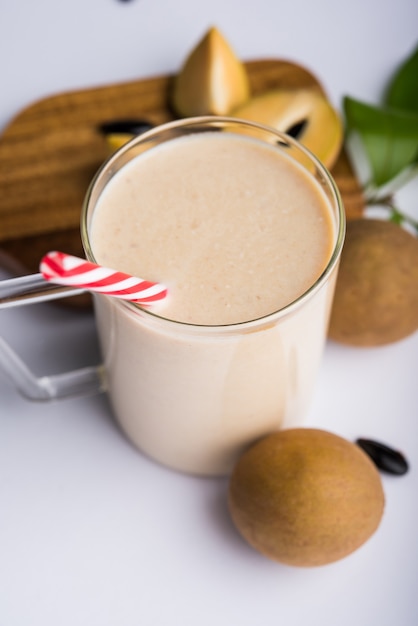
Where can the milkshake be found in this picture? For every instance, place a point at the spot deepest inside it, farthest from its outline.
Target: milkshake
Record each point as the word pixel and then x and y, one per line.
pixel 246 239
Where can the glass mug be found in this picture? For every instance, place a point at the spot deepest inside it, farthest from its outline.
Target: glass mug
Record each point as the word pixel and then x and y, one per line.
pixel 193 397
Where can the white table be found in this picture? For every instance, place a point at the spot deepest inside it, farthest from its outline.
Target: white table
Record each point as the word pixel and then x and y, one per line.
pixel 91 532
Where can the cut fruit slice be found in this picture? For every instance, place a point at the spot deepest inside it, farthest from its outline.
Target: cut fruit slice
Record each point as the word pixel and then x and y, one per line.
pixel 305 114
pixel 212 81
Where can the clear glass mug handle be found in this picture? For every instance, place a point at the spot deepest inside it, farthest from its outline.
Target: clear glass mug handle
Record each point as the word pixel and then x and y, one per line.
pixel 29 290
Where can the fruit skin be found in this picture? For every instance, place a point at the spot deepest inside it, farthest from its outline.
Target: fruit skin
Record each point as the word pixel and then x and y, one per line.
pixel 283 108
pixel 305 497
pixel 212 80
pixel 376 295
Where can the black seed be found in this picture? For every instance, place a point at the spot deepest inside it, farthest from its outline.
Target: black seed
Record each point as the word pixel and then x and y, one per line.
pixel 385 458
pixel 128 126
pixel 297 129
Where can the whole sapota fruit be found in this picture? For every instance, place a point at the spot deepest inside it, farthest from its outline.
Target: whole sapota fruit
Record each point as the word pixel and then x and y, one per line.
pixel 376 296
pixel 305 497
pixel 212 80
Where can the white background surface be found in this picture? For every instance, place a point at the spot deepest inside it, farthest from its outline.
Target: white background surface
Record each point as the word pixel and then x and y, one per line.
pixel 91 532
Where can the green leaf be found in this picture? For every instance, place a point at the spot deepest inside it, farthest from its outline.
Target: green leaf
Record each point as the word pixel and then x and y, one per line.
pixel 402 92
pixel 389 136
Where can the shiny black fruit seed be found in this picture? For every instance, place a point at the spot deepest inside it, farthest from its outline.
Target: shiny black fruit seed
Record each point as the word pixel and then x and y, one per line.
pixel 128 126
pixel 296 130
pixel 385 458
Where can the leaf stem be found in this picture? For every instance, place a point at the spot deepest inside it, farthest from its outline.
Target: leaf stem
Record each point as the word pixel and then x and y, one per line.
pixel 397 216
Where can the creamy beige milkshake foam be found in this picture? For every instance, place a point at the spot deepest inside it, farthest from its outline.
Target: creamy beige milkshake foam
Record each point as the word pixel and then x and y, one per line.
pixel 236 230
pixel 233 230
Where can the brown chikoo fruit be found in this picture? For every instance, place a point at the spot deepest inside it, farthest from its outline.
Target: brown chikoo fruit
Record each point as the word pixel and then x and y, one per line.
pixel 305 497
pixel 376 296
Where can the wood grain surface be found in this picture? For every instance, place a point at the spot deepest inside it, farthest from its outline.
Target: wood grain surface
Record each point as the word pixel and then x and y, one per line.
pixel 51 150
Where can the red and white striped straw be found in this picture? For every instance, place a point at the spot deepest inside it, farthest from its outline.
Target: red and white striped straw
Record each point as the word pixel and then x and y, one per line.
pixel 65 269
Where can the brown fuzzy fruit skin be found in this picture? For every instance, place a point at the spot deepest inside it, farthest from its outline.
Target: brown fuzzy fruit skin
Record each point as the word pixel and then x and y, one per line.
pixel 305 497
pixel 376 296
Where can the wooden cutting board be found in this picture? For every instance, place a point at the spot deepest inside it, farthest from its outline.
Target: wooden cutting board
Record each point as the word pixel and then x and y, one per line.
pixel 51 150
